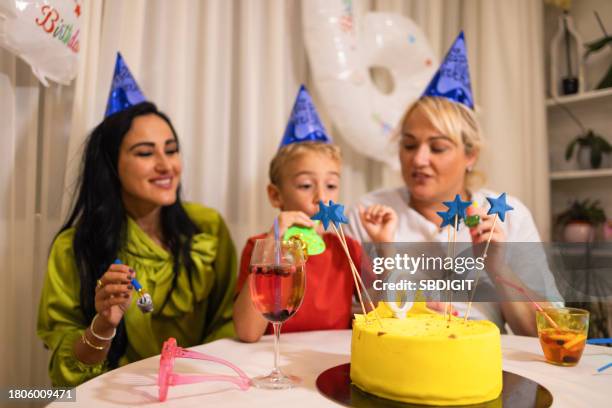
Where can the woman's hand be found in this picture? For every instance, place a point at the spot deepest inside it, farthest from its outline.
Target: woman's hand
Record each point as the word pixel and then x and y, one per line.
pixel 379 221
pixel 480 233
pixel 495 258
pixel 113 297
pixel 287 219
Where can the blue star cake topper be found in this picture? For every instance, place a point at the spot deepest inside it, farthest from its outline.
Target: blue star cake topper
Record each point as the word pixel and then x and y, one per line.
pixel 446 219
pixel 124 90
pixel 499 206
pixel 333 213
pixel 337 214
pixel 324 214
pixel 452 81
pixel 456 208
pixel 304 123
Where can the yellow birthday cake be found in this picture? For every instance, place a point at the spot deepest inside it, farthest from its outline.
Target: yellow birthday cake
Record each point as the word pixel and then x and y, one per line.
pixel 425 358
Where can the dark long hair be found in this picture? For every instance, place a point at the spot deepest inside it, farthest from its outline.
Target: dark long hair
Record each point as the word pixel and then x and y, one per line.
pixel 99 217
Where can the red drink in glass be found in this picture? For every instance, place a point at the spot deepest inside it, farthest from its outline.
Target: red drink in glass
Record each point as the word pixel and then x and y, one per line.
pixel 277 291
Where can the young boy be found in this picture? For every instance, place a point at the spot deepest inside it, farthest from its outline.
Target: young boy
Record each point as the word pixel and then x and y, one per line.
pixel 301 174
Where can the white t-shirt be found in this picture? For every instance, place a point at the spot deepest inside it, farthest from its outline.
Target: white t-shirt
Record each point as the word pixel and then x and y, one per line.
pixel 414 227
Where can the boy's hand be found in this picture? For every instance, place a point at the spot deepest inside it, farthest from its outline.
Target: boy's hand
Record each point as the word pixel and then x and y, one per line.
pixel 379 221
pixel 287 219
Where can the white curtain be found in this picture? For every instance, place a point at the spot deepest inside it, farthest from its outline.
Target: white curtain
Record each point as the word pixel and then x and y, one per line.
pixel 227 73
pixel 34 129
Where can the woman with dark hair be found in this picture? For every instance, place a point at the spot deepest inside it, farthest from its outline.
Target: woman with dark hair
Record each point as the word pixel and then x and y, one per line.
pixel 128 207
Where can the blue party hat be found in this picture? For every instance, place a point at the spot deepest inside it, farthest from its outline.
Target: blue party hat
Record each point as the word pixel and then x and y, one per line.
pixel 124 89
pixel 452 81
pixel 304 123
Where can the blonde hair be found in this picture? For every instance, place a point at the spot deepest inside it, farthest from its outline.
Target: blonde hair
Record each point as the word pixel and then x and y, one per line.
pixel 295 150
pixel 456 121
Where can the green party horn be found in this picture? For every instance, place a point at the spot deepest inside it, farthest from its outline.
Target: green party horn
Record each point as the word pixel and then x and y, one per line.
pixel 314 243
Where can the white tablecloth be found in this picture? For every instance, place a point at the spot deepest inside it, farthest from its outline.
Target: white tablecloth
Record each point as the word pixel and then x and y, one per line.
pixel 310 353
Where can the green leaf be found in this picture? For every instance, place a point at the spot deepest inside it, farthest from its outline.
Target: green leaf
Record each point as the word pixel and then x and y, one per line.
pixel 606 81
pixel 597 45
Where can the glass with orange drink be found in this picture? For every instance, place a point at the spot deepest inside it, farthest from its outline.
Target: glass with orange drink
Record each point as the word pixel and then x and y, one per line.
pixel 563 333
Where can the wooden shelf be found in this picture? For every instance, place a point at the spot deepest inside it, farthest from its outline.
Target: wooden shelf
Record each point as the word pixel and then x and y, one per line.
pixel 580 174
pixel 579 97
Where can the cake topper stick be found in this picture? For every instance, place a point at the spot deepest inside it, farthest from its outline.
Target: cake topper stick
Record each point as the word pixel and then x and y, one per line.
pixel 499 207
pixel 334 214
pixel 450 295
pixel 484 255
pixel 455 213
pixel 356 276
pixel 357 283
pixel 354 268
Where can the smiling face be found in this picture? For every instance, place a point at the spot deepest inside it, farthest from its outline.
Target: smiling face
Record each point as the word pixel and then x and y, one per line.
pixel 149 164
pixel 433 164
pixel 306 179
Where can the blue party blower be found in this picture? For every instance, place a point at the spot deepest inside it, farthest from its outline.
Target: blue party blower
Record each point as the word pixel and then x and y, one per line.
pixel 144 302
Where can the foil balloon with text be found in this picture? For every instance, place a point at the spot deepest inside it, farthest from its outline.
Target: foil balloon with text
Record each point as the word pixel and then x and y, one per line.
pixel 45 34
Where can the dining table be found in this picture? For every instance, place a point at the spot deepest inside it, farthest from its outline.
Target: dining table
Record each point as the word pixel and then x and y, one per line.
pixel 306 355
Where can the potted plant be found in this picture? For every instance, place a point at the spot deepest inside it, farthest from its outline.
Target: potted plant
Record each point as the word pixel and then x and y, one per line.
pixel 578 222
pixel 591 149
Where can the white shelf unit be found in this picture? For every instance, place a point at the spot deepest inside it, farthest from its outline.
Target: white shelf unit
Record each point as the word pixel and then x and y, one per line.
pixel 568 182
pixel 580 174
pixel 581 97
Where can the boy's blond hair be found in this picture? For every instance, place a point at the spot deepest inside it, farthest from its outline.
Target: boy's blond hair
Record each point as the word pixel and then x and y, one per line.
pixel 295 150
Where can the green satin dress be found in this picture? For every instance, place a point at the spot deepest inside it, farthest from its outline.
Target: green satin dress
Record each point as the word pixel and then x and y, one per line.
pixel 196 312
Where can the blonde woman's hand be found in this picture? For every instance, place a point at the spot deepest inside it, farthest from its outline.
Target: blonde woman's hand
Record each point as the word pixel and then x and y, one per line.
pixel 379 221
pixel 480 235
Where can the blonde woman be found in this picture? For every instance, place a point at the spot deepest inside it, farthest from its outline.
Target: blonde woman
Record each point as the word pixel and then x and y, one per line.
pixel 439 143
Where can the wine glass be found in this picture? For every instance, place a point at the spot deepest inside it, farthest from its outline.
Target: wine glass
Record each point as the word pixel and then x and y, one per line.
pixel 277 283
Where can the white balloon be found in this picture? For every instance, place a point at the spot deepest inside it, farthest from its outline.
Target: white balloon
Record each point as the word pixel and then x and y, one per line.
pixel 342 49
pixel 45 34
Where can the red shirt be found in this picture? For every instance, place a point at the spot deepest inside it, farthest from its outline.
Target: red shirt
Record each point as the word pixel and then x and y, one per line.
pixel 329 286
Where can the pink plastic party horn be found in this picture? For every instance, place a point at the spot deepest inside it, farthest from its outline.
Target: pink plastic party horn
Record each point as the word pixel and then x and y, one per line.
pixel 524 292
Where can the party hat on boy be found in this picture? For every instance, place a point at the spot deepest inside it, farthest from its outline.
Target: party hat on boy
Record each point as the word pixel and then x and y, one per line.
pixel 452 81
pixel 304 123
pixel 124 89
